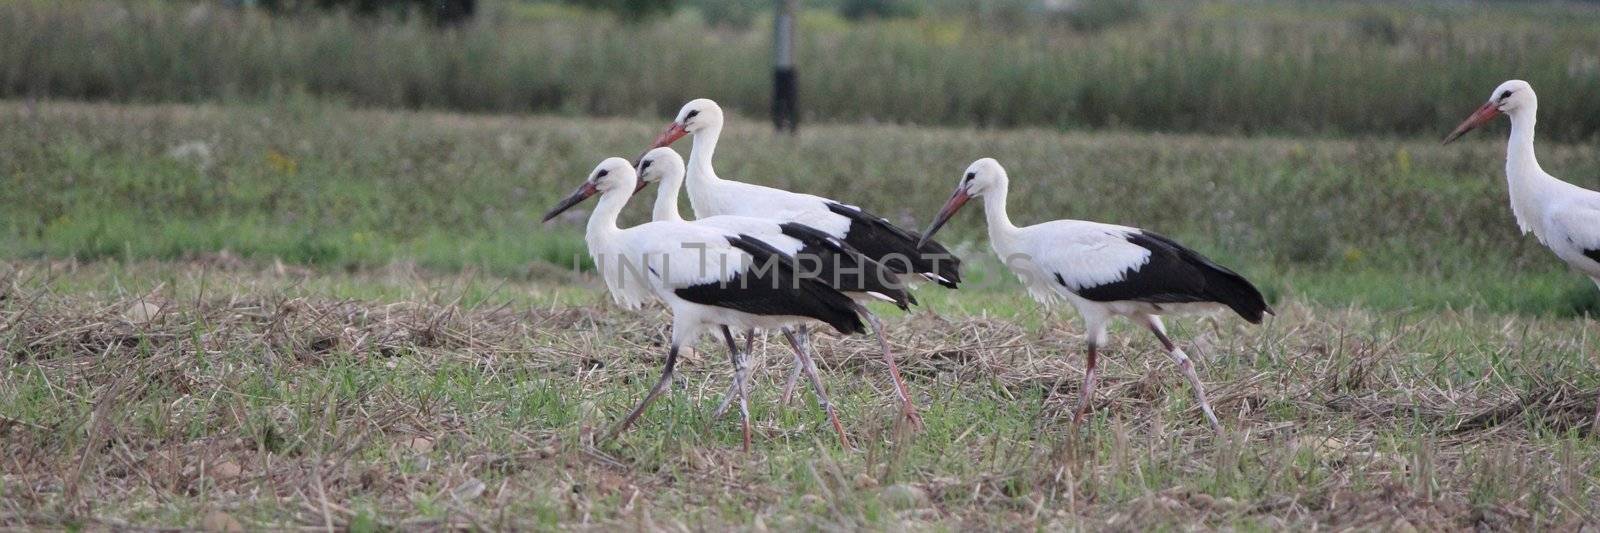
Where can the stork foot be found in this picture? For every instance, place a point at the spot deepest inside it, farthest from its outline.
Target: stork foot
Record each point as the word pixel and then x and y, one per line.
pixel 661 384
pixel 913 420
pixel 1186 366
pixel 804 361
pixel 908 406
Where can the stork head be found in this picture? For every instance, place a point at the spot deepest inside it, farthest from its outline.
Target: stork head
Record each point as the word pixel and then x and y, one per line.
pixel 700 114
pixel 982 176
pixel 660 164
pixel 1509 97
pixel 613 175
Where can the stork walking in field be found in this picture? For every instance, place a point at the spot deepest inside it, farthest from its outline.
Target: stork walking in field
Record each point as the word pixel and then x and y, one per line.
pixel 895 248
pixel 1564 217
pixel 834 262
pixel 1105 271
pixel 708 278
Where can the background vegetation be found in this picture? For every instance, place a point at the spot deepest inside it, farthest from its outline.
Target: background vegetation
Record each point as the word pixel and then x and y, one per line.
pixel 1231 67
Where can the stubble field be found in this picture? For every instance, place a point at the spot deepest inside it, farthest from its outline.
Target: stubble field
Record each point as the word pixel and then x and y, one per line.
pixel 303 315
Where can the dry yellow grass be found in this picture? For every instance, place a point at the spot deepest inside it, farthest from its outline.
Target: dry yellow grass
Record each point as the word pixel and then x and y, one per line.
pixel 231 394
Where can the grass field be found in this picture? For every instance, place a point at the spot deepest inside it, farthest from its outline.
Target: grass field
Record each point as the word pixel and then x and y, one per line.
pixel 304 315
pixel 1388 223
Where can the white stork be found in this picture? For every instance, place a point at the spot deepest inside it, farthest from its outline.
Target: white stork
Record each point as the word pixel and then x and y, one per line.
pixel 1105 271
pixel 873 236
pixel 1565 217
pixel 708 278
pixel 836 265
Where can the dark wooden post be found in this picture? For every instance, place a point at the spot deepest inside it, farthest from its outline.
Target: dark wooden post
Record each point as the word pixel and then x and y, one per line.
pixel 785 88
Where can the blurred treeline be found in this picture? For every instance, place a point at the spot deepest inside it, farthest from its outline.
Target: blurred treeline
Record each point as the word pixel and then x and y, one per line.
pixel 1325 68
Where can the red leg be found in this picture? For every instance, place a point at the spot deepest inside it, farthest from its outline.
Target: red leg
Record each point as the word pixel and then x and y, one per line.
pixel 799 365
pixel 661 384
pixel 802 353
pixel 908 406
pixel 1091 378
pixel 741 373
pixel 1187 367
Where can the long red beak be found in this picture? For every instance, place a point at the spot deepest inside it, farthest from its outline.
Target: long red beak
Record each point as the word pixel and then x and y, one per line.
pixel 674 132
pixel 636 188
pixel 584 192
pixel 1478 118
pixel 957 199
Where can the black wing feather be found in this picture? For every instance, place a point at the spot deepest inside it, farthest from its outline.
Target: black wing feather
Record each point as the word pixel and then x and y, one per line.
pixel 896 248
pixel 772 286
pixel 1176 274
pixel 844 268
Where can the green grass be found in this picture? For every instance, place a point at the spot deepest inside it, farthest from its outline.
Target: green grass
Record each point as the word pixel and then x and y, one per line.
pixel 1341 68
pixel 1381 223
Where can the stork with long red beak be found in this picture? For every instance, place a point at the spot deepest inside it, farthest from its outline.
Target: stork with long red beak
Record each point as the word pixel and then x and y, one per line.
pixel 877 239
pixel 1564 217
pixel 709 278
pixel 1105 271
pixel 832 263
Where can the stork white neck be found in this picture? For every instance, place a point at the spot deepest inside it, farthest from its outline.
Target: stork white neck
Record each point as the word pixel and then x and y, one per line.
pixel 705 147
pixel 701 177
pixel 666 206
pixel 1528 184
pixel 603 221
pixel 994 211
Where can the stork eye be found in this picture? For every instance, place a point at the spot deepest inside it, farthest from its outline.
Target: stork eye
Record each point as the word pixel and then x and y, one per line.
pixel 644 165
pixel 1505 95
pixel 692 114
pixel 971 175
pixel 602 173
